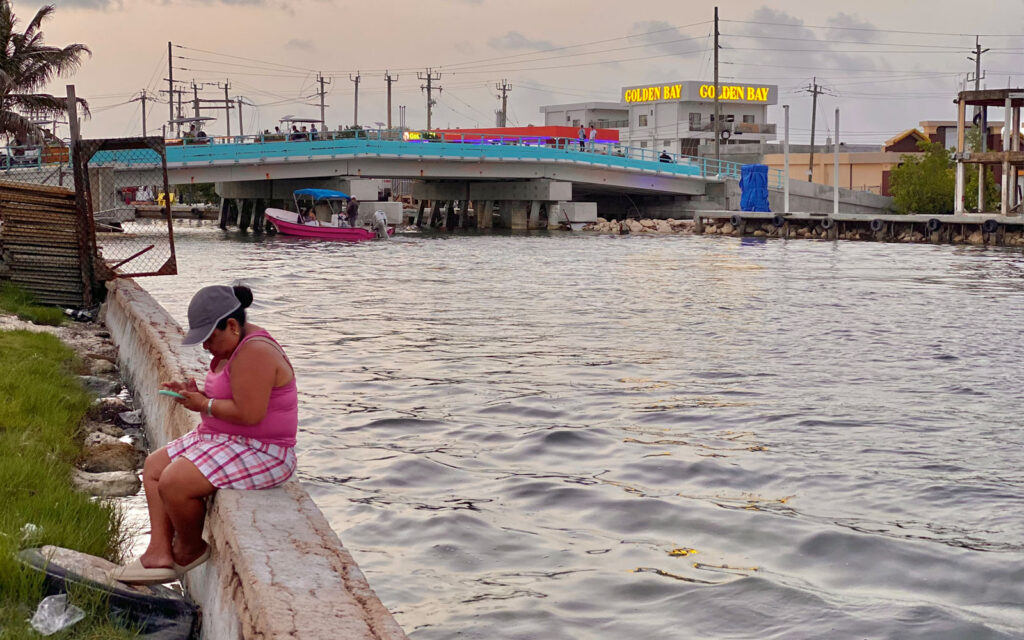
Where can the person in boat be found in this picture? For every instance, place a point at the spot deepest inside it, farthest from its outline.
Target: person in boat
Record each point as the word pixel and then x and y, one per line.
pixel 313 133
pixel 309 217
pixel 352 211
pixel 248 409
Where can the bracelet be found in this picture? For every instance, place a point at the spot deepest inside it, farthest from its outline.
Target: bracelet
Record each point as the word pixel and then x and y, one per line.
pixel 209 407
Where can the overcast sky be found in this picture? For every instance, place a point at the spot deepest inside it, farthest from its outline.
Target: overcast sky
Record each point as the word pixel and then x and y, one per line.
pixel 889 63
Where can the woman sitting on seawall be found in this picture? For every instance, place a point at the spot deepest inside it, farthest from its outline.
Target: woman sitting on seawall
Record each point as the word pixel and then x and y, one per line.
pixel 246 439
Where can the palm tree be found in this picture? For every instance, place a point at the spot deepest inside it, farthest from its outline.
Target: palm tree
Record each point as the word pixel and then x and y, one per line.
pixel 27 65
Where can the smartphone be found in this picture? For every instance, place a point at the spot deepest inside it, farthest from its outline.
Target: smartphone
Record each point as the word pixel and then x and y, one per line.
pixel 173 394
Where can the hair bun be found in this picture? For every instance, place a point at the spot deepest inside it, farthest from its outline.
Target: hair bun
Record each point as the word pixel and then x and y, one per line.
pixel 244 295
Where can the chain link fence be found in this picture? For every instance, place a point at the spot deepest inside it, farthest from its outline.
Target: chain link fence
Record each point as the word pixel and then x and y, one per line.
pixel 126 193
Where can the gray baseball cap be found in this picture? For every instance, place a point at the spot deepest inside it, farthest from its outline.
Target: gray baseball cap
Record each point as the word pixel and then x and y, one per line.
pixel 209 306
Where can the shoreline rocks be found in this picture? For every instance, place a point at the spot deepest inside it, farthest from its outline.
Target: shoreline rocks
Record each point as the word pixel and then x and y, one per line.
pixel 113 447
pixel 646 225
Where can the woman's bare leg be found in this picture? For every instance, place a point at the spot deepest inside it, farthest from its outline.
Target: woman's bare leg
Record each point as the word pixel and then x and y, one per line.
pixel 158 553
pixel 183 489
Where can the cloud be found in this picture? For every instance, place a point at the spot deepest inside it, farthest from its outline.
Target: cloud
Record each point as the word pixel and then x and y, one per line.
pixel 669 39
pixel 514 41
pixel 795 46
pixel 852 28
pixel 88 4
pixel 296 44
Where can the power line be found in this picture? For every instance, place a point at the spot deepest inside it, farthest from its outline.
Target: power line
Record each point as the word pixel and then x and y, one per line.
pixel 874 29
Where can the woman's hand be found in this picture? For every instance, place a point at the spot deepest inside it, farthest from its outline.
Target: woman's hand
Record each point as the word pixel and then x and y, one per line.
pixel 193 400
pixel 181 387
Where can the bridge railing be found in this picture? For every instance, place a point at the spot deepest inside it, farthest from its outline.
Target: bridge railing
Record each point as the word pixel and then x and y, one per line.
pixel 450 144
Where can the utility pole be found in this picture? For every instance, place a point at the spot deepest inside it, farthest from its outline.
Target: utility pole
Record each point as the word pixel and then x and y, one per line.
pixel 142 97
pixel 982 120
pixel 170 83
pixel 389 79
pixel 814 89
pixel 323 94
pixel 195 99
pixel 227 104
pixel 718 114
pixel 401 117
pixel 241 131
pixel 355 110
pixel 504 88
pixel 430 77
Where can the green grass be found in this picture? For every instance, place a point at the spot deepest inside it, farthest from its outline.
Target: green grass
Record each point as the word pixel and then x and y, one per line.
pixel 14 299
pixel 39 415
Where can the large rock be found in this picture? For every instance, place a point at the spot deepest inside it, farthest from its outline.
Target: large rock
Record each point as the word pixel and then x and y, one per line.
pixel 100 366
pixel 727 228
pixel 106 409
pixel 663 226
pixel 976 238
pixel 113 484
pixel 98 437
pixel 116 456
pixel 91 426
pixel 99 386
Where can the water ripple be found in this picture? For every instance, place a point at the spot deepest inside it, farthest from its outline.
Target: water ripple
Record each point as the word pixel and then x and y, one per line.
pixel 559 436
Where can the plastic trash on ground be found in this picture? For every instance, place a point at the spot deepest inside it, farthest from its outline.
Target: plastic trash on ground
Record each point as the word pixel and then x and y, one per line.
pixel 30 531
pixel 55 614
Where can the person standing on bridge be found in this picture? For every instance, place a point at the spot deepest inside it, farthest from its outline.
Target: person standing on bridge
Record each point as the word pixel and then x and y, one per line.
pixel 582 136
pixel 592 136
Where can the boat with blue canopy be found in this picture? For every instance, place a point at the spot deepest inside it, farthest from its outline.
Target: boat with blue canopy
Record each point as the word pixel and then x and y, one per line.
pixel 320 213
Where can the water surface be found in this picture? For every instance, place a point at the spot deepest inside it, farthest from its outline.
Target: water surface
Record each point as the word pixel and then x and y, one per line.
pixel 567 436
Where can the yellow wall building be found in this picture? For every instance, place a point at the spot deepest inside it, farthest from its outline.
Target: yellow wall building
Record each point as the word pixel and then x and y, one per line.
pixel 859 170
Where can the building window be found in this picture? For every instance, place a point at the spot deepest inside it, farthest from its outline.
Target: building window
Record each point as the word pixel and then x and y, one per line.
pixel 575 123
pixel 748 119
pixel 643 144
pixel 694 121
pixel 643 120
pixel 666 143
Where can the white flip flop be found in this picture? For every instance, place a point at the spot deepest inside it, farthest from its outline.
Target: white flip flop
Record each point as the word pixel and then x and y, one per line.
pixel 203 557
pixel 135 573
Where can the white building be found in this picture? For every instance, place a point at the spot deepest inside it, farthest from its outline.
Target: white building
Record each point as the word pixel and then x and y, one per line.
pixel 676 116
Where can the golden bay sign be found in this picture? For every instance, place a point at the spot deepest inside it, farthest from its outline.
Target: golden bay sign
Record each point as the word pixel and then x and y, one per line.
pixel 657 92
pixel 735 93
pixel 692 91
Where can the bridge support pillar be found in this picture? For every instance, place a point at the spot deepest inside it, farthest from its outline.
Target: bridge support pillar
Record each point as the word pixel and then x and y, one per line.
pixel 435 213
pixel 484 216
pixel 449 216
pixel 259 210
pixel 515 214
pixel 244 216
pixel 419 214
pixel 225 212
pixel 463 213
pixel 533 221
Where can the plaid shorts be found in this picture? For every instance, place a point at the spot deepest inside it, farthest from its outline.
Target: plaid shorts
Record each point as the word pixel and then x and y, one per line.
pixel 235 462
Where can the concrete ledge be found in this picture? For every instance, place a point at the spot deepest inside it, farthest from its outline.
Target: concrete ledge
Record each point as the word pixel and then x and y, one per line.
pixel 277 569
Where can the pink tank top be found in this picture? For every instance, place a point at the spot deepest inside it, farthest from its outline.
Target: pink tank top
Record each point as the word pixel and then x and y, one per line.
pixel 282 420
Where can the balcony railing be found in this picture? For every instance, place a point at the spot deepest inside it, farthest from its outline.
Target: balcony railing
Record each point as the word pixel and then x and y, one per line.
pixel 735 127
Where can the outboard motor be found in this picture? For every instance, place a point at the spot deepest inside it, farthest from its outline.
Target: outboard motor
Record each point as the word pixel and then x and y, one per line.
pixel 380 224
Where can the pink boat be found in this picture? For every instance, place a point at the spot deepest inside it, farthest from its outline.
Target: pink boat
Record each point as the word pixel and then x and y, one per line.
pixel 325 201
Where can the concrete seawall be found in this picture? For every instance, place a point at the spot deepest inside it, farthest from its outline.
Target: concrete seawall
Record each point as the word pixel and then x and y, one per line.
pixel 277 569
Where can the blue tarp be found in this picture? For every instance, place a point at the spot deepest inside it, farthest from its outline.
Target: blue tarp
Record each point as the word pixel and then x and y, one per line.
pixel 319 194
pixel 754 185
